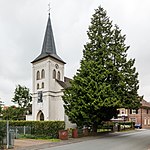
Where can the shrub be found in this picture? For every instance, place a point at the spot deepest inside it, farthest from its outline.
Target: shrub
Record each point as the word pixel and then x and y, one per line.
pixel 2 132
pixel 42 128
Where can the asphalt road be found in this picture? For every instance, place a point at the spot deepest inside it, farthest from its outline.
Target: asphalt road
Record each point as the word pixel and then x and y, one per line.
pixel 117 141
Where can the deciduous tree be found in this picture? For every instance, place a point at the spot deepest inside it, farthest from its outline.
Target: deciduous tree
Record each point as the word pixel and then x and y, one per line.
pixel 22 96
pixel 13 113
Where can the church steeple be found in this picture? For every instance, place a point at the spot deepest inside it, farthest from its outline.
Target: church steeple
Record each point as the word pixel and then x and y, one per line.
pixel 49 44
pixel 48 48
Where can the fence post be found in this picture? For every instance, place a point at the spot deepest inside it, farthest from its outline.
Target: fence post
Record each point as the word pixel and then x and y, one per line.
pixel 7 134
pixel 16 130
pixel 24 130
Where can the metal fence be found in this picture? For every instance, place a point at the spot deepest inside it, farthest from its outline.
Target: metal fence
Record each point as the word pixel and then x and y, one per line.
pixel 6 136
pixel 9 133
pixel 21 130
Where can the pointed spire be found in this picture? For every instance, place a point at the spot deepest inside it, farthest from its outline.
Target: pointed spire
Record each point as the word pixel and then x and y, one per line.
pixel 49 44
pixel 48 48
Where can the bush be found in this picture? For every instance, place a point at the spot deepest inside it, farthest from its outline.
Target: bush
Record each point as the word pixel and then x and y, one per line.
pixel 2 132
pixel 131 124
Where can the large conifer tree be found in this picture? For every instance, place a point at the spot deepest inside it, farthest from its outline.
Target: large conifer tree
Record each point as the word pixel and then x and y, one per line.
pixel 106 80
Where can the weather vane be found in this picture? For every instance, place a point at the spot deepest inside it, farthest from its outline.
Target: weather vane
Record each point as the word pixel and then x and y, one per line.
pixel 49 8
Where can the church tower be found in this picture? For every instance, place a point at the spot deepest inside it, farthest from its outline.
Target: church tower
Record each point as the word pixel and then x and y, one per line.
pixel 47 76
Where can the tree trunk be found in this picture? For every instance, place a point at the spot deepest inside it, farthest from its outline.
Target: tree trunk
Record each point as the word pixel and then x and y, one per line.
pixel 94 128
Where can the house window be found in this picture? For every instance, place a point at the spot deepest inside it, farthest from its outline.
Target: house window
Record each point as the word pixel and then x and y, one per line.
pixel 43 73
pixel 54 74
pixel 42 84
pixel 144 121
pixel 147 111
pixel 38 75
pixel 134 111
pixel 148 121
pixel 58 75
pixel 38 86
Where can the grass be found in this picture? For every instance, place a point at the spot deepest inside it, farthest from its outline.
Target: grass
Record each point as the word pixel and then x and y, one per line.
pixel 29 136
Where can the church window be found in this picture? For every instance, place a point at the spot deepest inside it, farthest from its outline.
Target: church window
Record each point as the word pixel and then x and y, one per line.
pixel 42 84
pixel 54 74
pixel 43 73
pixel 38 86
pixel 58 75
pixel 38 75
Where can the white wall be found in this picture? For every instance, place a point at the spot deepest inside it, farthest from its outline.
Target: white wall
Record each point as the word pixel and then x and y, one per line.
pixel 52 105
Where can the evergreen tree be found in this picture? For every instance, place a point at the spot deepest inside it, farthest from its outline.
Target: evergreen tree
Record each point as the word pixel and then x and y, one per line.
pixel 106 80
pixel 1 103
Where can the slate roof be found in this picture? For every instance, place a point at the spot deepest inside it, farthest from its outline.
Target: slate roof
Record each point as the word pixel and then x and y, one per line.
pixel 48 48
pixel 65 84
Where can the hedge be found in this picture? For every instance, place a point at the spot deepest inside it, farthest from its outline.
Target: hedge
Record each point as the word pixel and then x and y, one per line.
pixel 2 132
pixel 127 123
pixel 41 128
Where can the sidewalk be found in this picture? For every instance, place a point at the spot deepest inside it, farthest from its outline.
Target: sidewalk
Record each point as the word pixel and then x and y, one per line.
pixel 31 144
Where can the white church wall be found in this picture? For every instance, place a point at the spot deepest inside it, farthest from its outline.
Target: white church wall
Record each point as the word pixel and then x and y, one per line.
pixel 56 109
pixel 52 105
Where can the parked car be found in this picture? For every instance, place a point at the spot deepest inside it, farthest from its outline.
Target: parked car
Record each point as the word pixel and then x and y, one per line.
pixel 138 126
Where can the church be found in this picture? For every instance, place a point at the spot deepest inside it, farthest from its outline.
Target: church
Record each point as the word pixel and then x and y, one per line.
pixel 48 82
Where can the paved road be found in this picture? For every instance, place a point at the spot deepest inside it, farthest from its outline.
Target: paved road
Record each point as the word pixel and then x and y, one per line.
pixel 116 141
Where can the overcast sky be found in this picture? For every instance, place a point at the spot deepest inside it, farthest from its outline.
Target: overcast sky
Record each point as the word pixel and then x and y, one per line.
pixel 22 28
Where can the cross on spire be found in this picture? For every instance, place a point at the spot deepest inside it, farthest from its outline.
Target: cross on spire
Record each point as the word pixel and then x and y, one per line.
pixel 48 48
pixel 49 8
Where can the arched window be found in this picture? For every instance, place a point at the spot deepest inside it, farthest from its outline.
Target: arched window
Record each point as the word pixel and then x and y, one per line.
pixel 58 75
pixel 42 117
pixel 42 84
pixel 38 86
pixel 38 75
pixel 43 73
pixel 54 74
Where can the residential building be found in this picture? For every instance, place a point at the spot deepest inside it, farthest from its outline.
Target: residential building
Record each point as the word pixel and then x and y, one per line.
pixel 139 116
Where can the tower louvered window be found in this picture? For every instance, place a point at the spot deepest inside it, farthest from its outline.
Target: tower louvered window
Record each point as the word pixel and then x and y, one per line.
pixel 54 74
pixel 43 74
pixel 38 75
pixel 58 75
pixel 42 84
pixel 38 86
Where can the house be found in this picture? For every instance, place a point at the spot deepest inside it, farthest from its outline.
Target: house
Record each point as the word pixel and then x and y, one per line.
pixel 139 116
